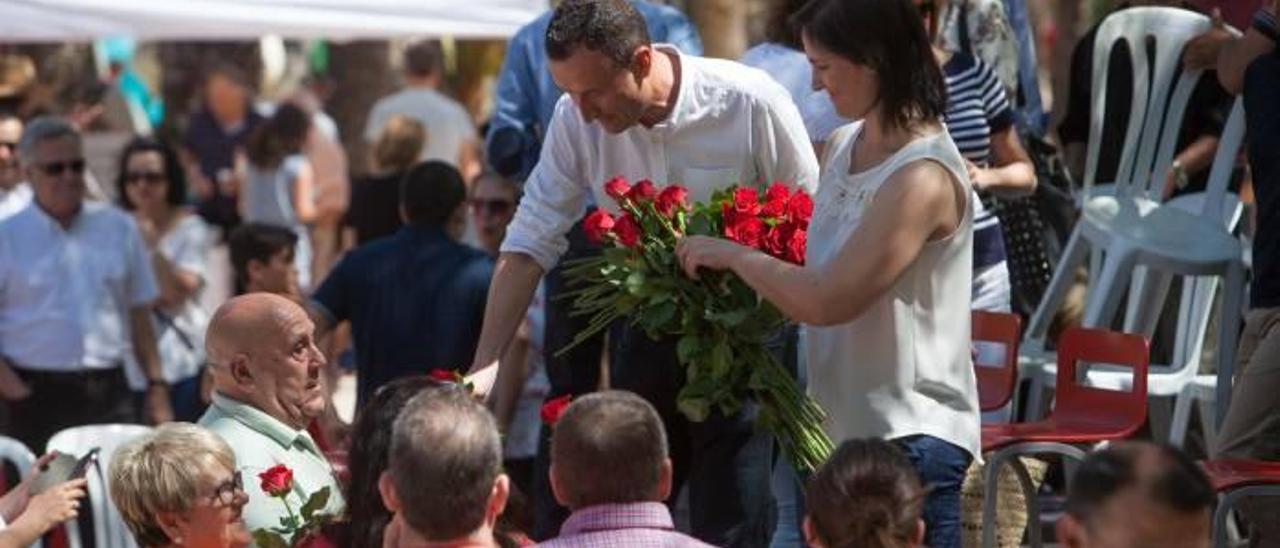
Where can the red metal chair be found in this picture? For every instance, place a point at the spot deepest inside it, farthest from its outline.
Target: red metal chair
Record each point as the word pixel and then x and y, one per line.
pixel 996 384
pixel 1083 416
pixel 1237 479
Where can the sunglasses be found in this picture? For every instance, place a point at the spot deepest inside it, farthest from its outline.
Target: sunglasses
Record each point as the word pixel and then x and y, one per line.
pixel 150 178
pixel 54 169
pixel 493 207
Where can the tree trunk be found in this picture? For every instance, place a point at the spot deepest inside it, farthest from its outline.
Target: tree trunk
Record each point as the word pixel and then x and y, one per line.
pixel 723 25
pixel 362 74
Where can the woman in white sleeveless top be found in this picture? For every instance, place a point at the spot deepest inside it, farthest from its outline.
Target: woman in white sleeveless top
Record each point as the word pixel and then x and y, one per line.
pixel 885 293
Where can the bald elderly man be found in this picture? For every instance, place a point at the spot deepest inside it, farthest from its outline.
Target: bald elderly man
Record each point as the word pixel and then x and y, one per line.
pixel 267 388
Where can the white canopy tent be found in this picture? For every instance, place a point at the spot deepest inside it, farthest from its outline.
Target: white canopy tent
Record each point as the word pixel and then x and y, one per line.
pixel 76 20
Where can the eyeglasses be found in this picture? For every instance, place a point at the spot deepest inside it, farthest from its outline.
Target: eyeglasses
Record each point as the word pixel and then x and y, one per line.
pixel 151 178
pixel 493 207
pixel 227 491
pixel 54 169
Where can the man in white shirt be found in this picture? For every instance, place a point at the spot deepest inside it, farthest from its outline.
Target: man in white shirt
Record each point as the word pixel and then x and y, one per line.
pixel 76 289
pixel 451 136
pixel 14 193
pixel 646 111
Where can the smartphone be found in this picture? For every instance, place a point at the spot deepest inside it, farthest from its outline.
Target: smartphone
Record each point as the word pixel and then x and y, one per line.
pixel 82 466
pixel 63 468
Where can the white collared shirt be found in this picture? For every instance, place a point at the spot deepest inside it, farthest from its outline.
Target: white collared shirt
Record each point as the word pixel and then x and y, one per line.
pixel 730 124
pixel 65 294
pixel 13 201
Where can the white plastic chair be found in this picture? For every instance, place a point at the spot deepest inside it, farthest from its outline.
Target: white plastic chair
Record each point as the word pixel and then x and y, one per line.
pixel 1125 229
pixel 109 529
pixel 1200 390
pixel 22 458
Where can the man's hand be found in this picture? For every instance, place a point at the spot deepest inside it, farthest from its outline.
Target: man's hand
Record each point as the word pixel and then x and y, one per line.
pixel 482 380
pixel 157 407
pixel 11 386
pixel 1202 51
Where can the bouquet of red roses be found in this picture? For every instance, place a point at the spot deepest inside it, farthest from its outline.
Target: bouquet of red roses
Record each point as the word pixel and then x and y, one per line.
pixel 722 324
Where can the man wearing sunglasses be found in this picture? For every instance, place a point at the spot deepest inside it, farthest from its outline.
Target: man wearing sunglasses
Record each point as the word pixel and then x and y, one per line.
pixel 14 194
pixel 76 288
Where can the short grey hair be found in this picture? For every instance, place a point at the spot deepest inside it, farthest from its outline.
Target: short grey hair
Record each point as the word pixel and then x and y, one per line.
pixel 164 471
pixel 44 128
pixel 445 456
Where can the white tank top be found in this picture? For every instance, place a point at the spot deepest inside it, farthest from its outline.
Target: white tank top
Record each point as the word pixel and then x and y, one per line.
pixel 904 366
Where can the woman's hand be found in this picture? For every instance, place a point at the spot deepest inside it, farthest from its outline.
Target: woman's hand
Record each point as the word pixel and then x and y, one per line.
pixel 978 177
pixel 704 251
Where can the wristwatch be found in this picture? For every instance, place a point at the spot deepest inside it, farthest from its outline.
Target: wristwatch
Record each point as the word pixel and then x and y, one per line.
pixel 1179 174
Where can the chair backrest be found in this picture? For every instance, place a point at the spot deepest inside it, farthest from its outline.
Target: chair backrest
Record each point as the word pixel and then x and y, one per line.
pixel 1078 402
pixel 1155 115
pixel 996 384
pixel 108 527
pixel 21 457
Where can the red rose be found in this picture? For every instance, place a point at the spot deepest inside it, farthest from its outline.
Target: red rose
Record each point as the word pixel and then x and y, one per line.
pixel 617 188
pixel 552 410
pixel 800 209
pixel 746 201
pixel 775 241
pixel 671 199
pixel 644 191
pixel 775 201
pixel 777 191
pixel 797 245
pixel 598 225
pixel 277 481
pixel 627 230
pixel 746 230
pixel 443 375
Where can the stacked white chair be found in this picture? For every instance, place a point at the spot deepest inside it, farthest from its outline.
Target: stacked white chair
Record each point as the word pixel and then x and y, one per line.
pixel 1133 241
pixel 15 452
pixel 109 530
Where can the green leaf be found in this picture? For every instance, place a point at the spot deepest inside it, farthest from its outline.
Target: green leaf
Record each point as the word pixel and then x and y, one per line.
pixel 657 317
pixel 721 360
pixel 687 348
pixel 731 318
pixel 700 224
pixel 695 409
pixel 267 539
pixel 316 502
pixel 635 283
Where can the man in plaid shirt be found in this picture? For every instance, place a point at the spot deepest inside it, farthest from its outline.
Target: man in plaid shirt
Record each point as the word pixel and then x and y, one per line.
pixel 609 465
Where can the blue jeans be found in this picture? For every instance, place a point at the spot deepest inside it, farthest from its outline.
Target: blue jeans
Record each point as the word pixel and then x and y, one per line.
pixel 942 467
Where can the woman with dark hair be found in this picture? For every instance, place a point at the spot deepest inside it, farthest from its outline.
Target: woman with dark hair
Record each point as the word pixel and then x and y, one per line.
pixel 885 291
pixel 152 185
pixel 866 496
pixel 279 185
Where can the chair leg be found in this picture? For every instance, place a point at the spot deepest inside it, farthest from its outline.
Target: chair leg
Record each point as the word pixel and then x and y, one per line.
pixel 1181 417
pixel 1029 494
pixel 1232 308
pixel 1147 294
pixel 990 494
pixel 1073 255
pixel 1105 295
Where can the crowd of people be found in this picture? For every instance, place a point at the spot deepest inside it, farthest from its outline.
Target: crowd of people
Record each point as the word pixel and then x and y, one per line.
pixel 905 119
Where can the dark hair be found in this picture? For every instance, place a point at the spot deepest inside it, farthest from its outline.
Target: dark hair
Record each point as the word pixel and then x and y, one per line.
pixel 367 459
pixel 430 192
pixel 866 495
pixel 445 456
pixel 1164 475
pixel 611 27
pixel 779 28
pixel 423 58
pixel 281 135
pixel 888 37
pixel 175 177
pixel 608 448
pixel 257 242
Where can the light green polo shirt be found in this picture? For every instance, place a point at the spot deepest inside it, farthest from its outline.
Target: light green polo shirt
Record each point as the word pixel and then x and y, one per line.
pixel 260 442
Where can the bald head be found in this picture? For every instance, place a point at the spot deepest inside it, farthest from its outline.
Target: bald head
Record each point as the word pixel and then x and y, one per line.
pixel 262 352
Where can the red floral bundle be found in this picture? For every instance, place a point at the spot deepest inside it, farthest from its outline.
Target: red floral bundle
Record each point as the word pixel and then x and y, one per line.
pixel 721 323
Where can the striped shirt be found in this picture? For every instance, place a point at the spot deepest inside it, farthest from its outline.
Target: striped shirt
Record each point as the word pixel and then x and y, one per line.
pixel 634 525
pixel 977 108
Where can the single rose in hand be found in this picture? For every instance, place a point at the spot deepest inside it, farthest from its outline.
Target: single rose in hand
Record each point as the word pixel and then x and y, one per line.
pixel 671 199
pixel 746 200
pixel 617 188
pixel 277 481
pixel 598 225
pixel 555 407
pixel 643 192
pixel 627 230
pixel 800 209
